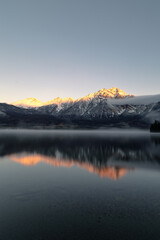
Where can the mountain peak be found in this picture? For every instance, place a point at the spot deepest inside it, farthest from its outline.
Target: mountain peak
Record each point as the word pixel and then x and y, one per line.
pixel 118 93
pixel 28 102
pixel 102 93
pixel 59 100
pixel 106 93
pixel 34 102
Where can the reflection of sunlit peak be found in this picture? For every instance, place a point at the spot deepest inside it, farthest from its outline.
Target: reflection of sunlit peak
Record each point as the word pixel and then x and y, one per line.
pixel 104 171
pixel 33 159
pixel 27 159
pixel 110 172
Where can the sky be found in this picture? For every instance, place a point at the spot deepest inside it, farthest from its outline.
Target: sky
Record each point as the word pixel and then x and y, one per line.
pixel 69 48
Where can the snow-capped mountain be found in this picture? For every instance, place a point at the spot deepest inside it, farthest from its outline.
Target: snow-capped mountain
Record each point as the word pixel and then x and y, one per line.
pixel 59 100
pixel 107 105
pixel 34 103
pixel 112 107
pixel 103 93
pixel 28 102
pixel 106 93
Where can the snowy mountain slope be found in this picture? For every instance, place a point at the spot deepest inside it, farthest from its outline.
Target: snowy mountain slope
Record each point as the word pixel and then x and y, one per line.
pixel 28 103
pixel 35 103
pixel 113 93
pixel 59 100
pixel 103 93
pixel 55 109
pixel 94 108
pixel 112 106
pixel 104 105
pixel 92 105
pixel 12 116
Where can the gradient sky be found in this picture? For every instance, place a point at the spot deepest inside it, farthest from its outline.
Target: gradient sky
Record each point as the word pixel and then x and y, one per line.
pixel 51 48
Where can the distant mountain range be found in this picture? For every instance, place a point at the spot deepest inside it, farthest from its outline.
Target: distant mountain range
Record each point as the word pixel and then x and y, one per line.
pixel 103 93
pixel 105 108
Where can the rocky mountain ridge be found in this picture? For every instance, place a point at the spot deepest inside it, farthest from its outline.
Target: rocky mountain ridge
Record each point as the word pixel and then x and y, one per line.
pixel 103 93
pixel 105 108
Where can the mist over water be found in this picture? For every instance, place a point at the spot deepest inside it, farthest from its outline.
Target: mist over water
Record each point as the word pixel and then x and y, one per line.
pixel 58 184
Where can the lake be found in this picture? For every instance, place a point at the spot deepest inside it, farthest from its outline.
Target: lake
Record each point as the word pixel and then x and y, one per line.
pixel 74 184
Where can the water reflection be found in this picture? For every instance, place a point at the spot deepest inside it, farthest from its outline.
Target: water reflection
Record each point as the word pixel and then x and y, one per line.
pixel 50 185
pixel 106 155
pixel 112 172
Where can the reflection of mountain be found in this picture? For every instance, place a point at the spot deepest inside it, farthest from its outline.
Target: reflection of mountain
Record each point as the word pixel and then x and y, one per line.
pixel 106 154
pixel 33 159
pixel 111 172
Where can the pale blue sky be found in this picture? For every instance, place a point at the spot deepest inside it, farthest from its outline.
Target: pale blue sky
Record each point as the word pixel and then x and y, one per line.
pixel 51 48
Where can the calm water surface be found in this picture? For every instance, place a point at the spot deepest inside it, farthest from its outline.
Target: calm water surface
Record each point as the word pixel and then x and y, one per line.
pixel 79 185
